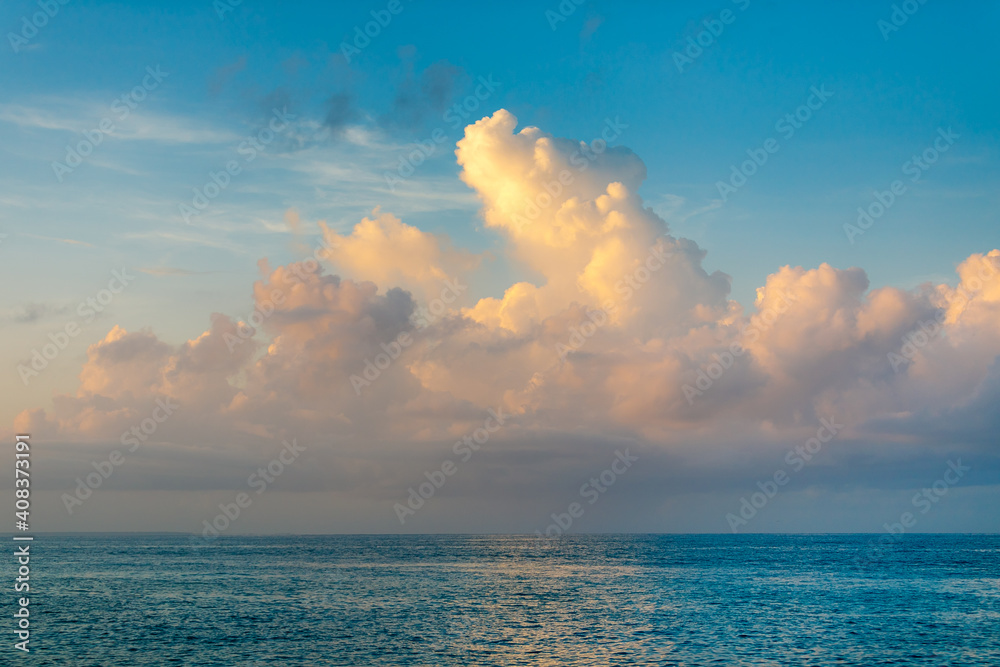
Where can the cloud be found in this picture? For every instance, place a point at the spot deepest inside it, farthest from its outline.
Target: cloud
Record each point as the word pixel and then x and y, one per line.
pixel 430 92
pixel 439 82
pixel 592 345
pixel 171 271
pixel 572 214
pixel 80 116
pixel 387 251
pixel 32 312
pixel 590 27
pixel 223 75
pixel 340 111
pixel 49 238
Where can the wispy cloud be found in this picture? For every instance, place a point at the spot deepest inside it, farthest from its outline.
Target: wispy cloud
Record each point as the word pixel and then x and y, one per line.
pixel 172 271
pixel 32 312
pixel 139 126
pixel 38 118
pixel 58 240
pixel 186 239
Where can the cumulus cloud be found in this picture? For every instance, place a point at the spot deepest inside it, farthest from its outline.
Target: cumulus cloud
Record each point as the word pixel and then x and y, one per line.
pixel 614 330
pixel 389 252
pixel 570 212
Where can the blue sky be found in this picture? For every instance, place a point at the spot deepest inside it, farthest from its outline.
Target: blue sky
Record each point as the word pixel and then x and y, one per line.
pixel 354 118
pixel 603 60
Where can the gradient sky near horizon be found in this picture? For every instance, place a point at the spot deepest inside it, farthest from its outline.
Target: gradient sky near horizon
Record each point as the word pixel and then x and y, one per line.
pixel 778 240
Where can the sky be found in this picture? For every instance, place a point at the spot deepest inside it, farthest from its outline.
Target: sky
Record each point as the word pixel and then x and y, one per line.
pixel 449 264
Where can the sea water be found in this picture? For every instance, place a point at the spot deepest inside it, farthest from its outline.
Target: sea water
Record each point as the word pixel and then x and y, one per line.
pixel 514 600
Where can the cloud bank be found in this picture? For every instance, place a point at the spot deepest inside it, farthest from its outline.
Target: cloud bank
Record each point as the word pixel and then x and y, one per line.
pixel 616 334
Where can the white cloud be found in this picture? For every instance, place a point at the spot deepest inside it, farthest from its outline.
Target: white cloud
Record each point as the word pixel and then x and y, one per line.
pixel 818 341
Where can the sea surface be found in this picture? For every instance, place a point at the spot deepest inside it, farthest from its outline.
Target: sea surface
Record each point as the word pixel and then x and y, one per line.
pixel 161 600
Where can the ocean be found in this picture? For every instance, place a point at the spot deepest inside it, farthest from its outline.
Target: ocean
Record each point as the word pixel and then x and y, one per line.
pixel 160 600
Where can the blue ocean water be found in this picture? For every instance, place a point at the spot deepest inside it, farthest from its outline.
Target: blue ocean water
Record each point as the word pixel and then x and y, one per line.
pixel 107 600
